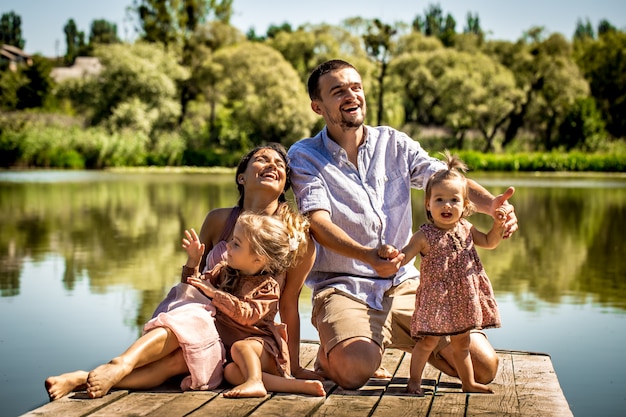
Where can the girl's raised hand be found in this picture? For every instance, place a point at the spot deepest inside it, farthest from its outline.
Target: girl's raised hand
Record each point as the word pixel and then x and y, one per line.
pixel 193 246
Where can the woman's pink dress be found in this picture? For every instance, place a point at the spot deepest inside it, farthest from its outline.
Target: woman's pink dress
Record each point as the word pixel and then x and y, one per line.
pixel 455 294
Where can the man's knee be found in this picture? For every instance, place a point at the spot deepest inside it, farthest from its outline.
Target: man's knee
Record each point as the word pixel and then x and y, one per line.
pixel 353 363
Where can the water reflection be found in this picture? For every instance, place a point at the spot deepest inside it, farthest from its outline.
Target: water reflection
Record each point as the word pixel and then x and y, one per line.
pixel 114 233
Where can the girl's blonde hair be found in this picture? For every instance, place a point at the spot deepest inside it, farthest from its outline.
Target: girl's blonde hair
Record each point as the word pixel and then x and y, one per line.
pixel 280 239
pixel 455 171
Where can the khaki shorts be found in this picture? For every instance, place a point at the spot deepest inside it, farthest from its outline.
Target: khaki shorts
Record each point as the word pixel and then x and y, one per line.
pixel 337 317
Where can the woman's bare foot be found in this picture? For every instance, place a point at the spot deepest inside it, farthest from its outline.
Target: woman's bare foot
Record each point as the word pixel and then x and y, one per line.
pixel 61 385
pixel 415 387
pixel 247 389
pixel 103 378
pixel 476 387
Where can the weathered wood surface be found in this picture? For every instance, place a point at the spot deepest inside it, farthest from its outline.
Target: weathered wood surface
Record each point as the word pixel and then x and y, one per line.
pixel 526 385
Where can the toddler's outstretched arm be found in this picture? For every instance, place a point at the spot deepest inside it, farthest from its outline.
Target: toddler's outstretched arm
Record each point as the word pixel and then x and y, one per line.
pixel 493 238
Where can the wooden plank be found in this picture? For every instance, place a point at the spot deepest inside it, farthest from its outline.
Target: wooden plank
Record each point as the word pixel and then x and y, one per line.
pixel 231 407
pixel 538 388
pixel 289 404
pixel 136 404
pixel 397 402
pixel 76 404
pixel 184 403
pixel 504 400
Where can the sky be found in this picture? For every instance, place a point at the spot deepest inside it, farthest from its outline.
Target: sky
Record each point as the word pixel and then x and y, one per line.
pixel 43 20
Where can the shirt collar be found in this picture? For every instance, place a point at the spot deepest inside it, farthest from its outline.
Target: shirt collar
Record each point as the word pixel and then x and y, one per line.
pixel 337 151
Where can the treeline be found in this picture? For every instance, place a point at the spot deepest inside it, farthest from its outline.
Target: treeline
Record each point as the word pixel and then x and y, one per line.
pixel 194 90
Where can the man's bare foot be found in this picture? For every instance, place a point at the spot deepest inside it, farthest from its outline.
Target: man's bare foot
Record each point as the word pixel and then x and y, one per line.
pixel 415 387
pixel 382 373
pixel 247 389
pixel 476 387
pixel 103 378
pixel 61 385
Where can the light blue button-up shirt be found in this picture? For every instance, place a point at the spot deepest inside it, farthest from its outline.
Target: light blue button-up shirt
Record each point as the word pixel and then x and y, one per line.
pixel 371 202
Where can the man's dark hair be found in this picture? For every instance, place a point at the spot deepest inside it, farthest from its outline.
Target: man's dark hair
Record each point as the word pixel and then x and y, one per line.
pixel 313 85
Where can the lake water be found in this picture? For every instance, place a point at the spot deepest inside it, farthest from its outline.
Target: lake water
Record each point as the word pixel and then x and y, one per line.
pixel 86 256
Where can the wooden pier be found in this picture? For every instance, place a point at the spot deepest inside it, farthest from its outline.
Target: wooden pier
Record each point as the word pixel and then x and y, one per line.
pixel 526 385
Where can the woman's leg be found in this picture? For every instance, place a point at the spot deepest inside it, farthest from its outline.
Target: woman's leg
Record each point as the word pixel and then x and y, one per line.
pixel 419 357
pixel 152 359
pixel 463 363
pixel 151 347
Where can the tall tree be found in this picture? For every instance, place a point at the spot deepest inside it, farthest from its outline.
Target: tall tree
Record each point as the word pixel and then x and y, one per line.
pixel 171 22
pixel 584 30
pixel 473 26
pixel 603 63
pixel 379 43
pixel 11 30
pixel 75 41
pixel 103 32
pixel 34 93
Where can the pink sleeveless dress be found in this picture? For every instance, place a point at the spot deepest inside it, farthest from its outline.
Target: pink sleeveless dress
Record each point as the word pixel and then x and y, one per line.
pixel 455 294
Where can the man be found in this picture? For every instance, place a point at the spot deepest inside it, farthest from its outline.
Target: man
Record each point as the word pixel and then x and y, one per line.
pixel 354 182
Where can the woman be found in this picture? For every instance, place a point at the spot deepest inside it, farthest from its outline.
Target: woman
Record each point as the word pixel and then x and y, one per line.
pixel 262 179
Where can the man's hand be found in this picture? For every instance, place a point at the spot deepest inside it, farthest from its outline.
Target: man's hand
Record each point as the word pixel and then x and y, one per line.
pixel 500 203
pixel 384 267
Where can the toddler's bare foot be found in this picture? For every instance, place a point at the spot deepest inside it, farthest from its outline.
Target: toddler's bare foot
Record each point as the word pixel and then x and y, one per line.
pixel 309 387
pixel 415 387
pixel 247 389
pixel 382 373
pixel 476 387
pixel 61 385
pixel 103 378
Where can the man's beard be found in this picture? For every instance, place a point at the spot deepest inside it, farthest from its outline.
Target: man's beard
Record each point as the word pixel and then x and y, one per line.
pixel 353 123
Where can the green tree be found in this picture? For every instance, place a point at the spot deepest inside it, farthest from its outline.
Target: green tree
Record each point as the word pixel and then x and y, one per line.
pixel 458 90
pixel 39 84
pixel 137 89
pixel 584 30
pixel 310 45
pixel 103 32
pixel 603 63
pixel 435 24
pixel 257 97
pixel 582 127
pixel 11 30
pixel 546 72
pixel 10 83
pixel 74 40
pixel 379 44
pixel 171 22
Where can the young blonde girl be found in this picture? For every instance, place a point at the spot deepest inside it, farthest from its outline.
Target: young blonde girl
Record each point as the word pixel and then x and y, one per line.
pixel 245 291
pixel 455 294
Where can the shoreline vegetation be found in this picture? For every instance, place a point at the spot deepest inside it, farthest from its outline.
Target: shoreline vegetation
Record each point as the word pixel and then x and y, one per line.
pixel 55 148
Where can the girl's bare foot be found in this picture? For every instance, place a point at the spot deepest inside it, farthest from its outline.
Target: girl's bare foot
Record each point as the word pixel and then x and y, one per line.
pixel 103 378
pixel 476 387
pixel 415 387
pixel 61 385
pixel 247 389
